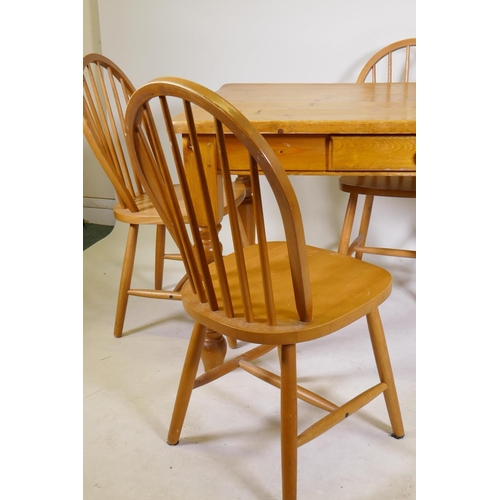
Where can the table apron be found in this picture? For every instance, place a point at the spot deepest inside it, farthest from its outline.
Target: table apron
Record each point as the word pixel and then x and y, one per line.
pixel 331 154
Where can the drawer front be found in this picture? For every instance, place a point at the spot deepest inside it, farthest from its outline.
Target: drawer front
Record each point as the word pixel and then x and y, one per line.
pixel 296 153
pixel 373 152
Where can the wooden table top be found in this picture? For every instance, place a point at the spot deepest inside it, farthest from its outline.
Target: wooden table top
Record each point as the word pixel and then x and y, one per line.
pixel 318 108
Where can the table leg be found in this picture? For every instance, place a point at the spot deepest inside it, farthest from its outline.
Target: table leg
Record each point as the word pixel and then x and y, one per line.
pixel 214 350
pixel 215 347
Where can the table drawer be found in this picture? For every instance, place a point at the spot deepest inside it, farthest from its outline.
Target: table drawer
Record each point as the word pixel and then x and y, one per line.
pixel 373 152
pixel 297 153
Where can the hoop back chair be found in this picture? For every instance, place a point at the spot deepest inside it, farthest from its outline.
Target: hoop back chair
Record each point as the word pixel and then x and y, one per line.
pixel 106 92
pixel 372 186
pixel 271 293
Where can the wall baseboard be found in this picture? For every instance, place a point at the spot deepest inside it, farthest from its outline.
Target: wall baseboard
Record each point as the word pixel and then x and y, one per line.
pixel 99 211
pixel 90 202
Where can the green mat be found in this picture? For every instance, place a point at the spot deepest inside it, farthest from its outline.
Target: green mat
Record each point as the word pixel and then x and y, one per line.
pixel 92 233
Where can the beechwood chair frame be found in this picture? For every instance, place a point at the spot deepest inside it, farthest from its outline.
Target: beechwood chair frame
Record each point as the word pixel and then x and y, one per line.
pixel 272 294
pixel 107 91
pixel 372 186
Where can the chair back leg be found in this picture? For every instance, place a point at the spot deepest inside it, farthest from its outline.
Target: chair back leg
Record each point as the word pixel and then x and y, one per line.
pixel 159 256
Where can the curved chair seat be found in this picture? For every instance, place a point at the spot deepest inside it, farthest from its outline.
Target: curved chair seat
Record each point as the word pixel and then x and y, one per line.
pixel 390 186
pixel 333 307
pixel 147 213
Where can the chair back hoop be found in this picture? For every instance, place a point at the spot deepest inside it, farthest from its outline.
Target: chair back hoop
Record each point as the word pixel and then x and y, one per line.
pixel 106 92
pixel 207 271
pixel 385 55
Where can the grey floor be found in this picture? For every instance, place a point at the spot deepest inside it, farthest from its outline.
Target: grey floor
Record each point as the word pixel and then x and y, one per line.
pixel 229 446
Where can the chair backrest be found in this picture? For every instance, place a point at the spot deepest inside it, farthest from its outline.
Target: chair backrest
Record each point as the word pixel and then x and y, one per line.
pixel 210 283
pixel 106 92
pixel 384 59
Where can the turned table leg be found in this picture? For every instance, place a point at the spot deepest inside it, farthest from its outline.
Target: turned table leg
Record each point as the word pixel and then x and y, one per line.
pixel 214 350
pixel 215 347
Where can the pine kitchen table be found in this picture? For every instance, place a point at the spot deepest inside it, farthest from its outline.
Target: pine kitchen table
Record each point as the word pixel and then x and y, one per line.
pixel 315 129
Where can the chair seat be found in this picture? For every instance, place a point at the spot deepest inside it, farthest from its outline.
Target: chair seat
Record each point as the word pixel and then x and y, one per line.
pixel 392 186
pixel 147 214
pixel 343 290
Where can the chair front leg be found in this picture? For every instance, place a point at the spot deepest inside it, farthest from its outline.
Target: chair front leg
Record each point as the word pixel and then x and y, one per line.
pixel 345 235
pixel 288 421
pixel 186 383
pixel 384 368
pixel 365 223
pixel 126 278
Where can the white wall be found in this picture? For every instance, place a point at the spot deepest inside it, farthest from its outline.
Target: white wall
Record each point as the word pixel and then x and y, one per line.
pixel 220 41
pixel 98 192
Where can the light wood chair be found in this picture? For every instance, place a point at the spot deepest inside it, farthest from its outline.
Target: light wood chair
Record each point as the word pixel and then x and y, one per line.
pixel 372 186
pixel 106 91
pixel 272 293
